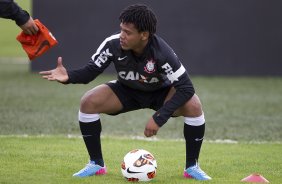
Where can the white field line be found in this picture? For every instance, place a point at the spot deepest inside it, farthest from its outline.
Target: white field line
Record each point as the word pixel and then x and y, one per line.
pixel 217 141
pixel 14 60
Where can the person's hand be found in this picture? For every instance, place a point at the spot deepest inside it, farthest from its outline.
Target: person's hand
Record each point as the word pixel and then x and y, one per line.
pixel 29 27
pixel 151 128
pixel 58 74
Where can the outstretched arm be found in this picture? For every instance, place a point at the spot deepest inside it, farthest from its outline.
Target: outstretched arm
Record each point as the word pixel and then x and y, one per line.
pixel 58 74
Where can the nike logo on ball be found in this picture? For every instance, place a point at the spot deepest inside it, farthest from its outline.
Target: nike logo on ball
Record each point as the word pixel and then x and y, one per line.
pixel 122 58
pixel 132 172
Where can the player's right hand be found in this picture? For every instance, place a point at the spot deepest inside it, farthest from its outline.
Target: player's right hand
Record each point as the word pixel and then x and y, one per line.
pixel 58 74
pixel 151 128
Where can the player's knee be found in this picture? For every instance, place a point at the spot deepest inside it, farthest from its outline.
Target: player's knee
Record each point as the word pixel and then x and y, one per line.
pixel 193 107
pixel 89 103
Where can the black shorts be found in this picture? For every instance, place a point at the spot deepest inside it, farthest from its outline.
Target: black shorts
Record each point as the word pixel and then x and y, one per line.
pixel 133 99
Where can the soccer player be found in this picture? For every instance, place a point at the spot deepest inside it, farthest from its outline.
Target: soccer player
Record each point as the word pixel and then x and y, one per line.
pixel 150 75
pixel 10 10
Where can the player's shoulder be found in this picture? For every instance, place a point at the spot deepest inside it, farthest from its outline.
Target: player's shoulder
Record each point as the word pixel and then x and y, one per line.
pixel 161 47
pixel 111 44
pixel 112 39
pixel 160 42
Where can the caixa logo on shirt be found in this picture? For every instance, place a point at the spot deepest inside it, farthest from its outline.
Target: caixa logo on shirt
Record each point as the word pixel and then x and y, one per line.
pixel 130 75
pixel 103 57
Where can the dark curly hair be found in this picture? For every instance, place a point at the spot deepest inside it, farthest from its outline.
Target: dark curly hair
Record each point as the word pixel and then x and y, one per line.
pixel 141 16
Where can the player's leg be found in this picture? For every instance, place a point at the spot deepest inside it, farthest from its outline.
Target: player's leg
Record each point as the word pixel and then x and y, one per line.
pixel 100 99
pixel 194 130
pixel 194 126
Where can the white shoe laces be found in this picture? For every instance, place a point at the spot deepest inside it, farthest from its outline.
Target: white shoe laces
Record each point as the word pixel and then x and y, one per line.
pixel 87 167
pixel 198 169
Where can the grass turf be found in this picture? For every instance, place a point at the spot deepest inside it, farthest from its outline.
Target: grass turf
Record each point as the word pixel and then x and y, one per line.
pixel 53 159
pixel 236 108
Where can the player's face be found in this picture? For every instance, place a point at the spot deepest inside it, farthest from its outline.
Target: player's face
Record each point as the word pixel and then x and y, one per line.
pixel 131 39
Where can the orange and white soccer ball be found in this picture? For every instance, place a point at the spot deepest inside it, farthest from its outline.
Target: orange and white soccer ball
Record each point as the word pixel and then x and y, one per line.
pixel 139 165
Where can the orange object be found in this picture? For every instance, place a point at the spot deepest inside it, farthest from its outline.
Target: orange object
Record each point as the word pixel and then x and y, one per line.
pixel 36 45
pixel 255 178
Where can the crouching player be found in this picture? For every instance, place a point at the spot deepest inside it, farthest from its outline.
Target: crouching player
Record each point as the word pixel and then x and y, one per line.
pixel 150 75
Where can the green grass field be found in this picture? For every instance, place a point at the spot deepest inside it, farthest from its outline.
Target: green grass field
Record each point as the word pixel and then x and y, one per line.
pixel 54 159
pixel 40 138
pixel 37 116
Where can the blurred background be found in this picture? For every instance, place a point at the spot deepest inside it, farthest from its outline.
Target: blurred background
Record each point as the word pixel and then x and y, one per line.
pixel 215 37
pixel 231 49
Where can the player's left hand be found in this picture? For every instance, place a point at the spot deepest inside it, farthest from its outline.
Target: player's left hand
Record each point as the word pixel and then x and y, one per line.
pixel 151 128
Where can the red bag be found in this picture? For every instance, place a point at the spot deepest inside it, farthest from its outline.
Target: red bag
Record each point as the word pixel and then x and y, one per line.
pixel 36 45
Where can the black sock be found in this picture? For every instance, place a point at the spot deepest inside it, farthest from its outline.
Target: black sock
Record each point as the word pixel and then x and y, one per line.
pixel 193 137
pixel 91 135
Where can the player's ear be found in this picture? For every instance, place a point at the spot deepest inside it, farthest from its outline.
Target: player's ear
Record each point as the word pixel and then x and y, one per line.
pixel 145 35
